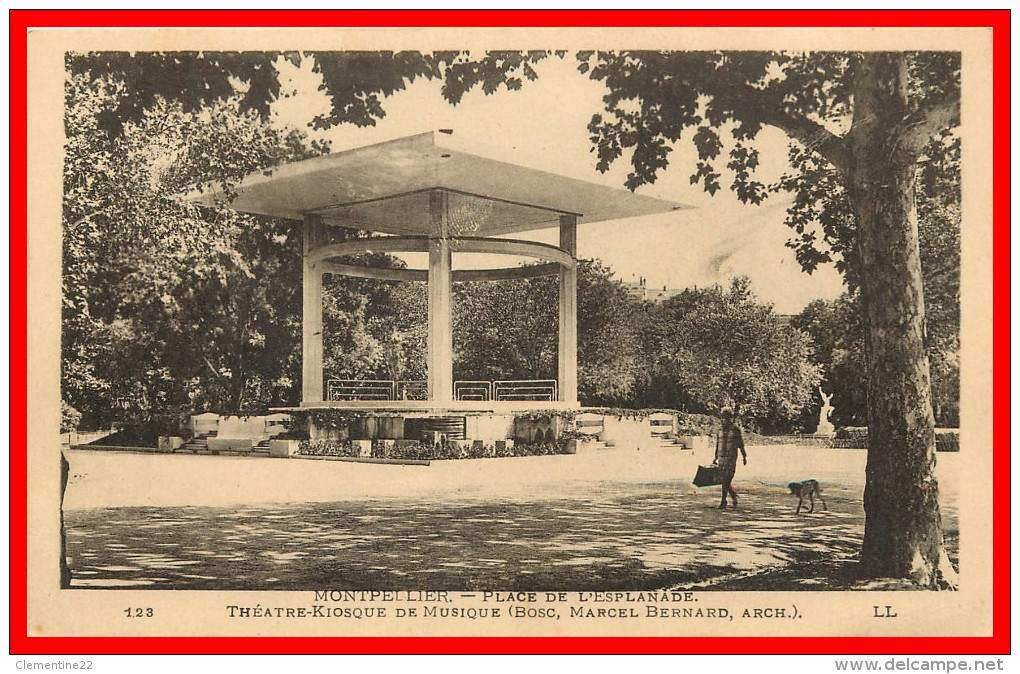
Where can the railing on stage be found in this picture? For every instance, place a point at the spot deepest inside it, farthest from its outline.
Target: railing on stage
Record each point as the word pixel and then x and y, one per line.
pixel 412 389
pixel 359 389
pixel 472 390
pixel 524 389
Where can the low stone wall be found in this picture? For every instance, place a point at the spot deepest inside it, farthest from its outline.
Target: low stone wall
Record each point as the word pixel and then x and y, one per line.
pixel 856 437
pixel 797 440
pixel 169 443
pixel 283 449
pixel 238 445
pixel 83 437
pixel 203 424
pixel 242 427
pixel 629 432
pixel 489 427
pixel 539 428
pixel 116 448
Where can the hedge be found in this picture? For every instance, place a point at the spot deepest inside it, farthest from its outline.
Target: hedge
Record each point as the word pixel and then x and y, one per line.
pixel 419 450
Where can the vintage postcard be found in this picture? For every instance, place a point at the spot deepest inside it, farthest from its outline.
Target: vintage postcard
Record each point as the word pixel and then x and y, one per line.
pixel 510 332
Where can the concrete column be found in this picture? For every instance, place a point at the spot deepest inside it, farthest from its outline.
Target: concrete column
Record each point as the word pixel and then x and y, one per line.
pixel 311 314
pixel 440 351
pixel 568 312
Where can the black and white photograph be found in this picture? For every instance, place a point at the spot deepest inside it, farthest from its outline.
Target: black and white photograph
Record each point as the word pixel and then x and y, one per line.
pixel 574 333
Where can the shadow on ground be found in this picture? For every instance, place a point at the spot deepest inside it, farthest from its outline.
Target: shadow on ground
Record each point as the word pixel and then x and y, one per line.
pixel 622 537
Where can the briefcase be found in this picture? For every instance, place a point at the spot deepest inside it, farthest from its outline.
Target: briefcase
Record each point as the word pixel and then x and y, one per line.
pixel 707 476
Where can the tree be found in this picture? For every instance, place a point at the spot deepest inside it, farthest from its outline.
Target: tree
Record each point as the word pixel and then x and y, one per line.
pixel 171 308
pixel 354 81
pixel 610 321
pixel 175 308
pixel 712 348
pixel 507 330
pixel 374 329
pixel 939 218
pixel 69 418
pixel 838 329
pixel 166 306
pixel 837 333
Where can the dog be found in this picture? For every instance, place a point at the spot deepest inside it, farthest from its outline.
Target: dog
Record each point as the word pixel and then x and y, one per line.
pixel 807 490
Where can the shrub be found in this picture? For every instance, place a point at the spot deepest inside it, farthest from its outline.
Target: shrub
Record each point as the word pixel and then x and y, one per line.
pixel 69 418
pixel 856 437
pixel 327 448
pixel 947 440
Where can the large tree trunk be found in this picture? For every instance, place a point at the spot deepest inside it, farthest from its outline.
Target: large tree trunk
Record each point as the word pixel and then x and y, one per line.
pixel 903 530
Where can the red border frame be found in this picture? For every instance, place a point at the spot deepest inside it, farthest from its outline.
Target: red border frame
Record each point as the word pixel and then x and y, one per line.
pixel 21 20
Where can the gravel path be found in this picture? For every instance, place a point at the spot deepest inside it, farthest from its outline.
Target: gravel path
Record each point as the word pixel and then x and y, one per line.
pixel 614 520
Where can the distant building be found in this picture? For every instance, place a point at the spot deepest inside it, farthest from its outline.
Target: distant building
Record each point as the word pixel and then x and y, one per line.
pixel 640 290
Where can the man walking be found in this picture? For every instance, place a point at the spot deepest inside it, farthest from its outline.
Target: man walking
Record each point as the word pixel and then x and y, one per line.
pixel 729 440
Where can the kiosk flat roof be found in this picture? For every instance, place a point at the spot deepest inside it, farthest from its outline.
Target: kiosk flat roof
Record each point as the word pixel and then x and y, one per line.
pixel 385 188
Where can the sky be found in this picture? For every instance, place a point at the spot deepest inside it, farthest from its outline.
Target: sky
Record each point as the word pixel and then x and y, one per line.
pixel 544 126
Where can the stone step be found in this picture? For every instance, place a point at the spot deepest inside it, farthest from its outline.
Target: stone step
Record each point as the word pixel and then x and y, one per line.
pixel 200 445
pixel 195 446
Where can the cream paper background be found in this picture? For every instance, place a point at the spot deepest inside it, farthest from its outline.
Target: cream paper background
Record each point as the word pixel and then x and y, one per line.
pixel 93 612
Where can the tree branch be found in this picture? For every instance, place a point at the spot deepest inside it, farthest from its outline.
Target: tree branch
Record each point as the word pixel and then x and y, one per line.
pixel 211 368
pixel 73 227
pixel 811 134
pixel 943 272
pixel 926 121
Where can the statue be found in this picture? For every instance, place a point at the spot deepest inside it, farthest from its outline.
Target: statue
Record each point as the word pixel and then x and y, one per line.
pixel 825 426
